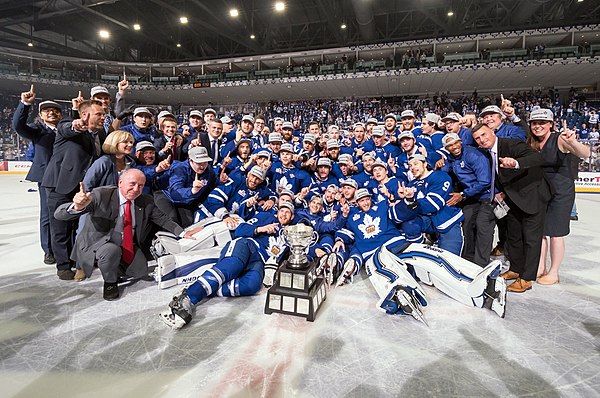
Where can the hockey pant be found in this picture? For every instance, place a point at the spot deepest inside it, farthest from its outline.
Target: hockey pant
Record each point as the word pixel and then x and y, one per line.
pixel 451 240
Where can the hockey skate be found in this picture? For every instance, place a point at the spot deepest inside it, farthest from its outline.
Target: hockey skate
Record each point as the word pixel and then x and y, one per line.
pixel 347 273
pixel 402 300
pixel 328 266
pixel 179 313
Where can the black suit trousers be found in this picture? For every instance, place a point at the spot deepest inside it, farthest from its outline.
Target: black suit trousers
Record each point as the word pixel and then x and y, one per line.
pixel 524 240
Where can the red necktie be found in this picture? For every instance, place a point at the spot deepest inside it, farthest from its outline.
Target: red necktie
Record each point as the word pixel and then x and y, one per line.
pixel 174 148
pixel 127 245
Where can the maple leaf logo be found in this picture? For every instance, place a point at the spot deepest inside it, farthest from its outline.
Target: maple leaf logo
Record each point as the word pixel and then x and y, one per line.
pixel 282 184
pixel 370 226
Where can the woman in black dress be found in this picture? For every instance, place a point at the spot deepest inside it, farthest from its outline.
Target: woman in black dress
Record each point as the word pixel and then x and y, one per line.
pixel 560 152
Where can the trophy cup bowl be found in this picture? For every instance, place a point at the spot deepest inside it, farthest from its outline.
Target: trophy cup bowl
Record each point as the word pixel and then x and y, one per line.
pixel 299 238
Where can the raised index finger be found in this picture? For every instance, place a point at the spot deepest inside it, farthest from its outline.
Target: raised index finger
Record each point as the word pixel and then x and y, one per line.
pixel 81 187
pixel 32 89
pixel 502 98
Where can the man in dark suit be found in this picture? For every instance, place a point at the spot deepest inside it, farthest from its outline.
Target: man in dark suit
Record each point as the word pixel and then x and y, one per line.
pixel 518 180
pixel 41 134
pixel 77 145
pixel 119 222
pixel 210 140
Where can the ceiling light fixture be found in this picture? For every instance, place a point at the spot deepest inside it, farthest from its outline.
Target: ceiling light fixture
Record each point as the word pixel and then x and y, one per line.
pixel 234 12
pixel 30 44
pixel 450 13
pixel 279 6
pixel 343 26
pixel 104 34
pixel 137 26
pixel 178 45
pixel 252 36
pixel 183 20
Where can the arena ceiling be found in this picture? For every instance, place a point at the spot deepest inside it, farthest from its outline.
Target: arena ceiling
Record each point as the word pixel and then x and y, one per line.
pixel 71 27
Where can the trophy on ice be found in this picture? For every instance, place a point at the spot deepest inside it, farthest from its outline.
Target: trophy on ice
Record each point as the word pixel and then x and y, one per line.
pixel 297 290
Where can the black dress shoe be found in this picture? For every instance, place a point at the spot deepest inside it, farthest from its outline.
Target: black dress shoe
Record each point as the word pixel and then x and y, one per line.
pixel 111 291
pixel 49 259
pixel 65 274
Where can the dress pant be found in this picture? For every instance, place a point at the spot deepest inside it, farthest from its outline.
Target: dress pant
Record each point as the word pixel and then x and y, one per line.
pixel 182 214
pixel 470 209
pixel 62 233
pixel 45 236
pixel 108 259
pixel 485 223
pixel 524 240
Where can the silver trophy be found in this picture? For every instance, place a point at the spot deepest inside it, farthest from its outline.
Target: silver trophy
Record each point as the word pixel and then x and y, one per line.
pixel 299 238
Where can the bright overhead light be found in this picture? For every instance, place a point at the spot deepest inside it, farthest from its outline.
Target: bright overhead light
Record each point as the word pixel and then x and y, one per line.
pixel 279 6
pixel 252 36
pixel 343 26
pixel 30 44
pixel 450 13
pixel 234 12
pixel 104 34
pixel 178 45
pixel 137 26
pixel 183 20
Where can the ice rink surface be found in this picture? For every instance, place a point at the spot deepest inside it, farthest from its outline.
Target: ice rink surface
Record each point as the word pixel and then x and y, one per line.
pixel 61 339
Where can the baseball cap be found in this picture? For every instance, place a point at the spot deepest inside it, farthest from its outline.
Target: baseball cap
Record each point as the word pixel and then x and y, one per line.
pixel 490 109
pixel 406 134
pixel 390 115
pixel 287 125
pixel 541 115
pixel 309 137
pixel 210 110
pixel 378 131
pixel 432 117
pixel 248 118
pixel 372 120
pixel 195 113
pixel 358 124
pixel 379 162
pixel 361 193
pixel 287 205
pixel 263 153
pixel 162 114
pixel 143 145
pixel 98 90
pixel 141 110
pixel 407 113
pixel 451 116
pixel 287 147
pixel 275 137
pixel 198 154
pixel 349 182
pixel 345 158
pixel 368 155
pixel 245 140
pixel 324 162
pixel 450 138
pixel 417 156
pixel 332 144
pixel 49 104
pixel 226 119
pixel 259 172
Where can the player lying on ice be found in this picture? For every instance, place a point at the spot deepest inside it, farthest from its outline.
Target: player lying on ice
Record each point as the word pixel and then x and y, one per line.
pixel 240 268
pixel 395 266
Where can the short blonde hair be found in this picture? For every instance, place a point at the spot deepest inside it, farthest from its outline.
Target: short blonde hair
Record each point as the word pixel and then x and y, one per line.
pixel 115 138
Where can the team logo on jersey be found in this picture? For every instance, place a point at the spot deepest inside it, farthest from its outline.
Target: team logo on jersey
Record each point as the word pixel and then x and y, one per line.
pixel 242 192
pixel 420 195
pixel 276 245
pixel 282 184
pixel 355 217
pixel 370 226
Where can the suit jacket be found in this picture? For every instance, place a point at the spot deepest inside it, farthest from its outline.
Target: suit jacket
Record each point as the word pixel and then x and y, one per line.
pixel 103 224
pixel 40 135
pixel 205 142
pixel 526 186
pixel 72 155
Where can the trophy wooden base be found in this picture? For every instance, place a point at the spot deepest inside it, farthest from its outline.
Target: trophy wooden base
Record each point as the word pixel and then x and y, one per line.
pixel 297 291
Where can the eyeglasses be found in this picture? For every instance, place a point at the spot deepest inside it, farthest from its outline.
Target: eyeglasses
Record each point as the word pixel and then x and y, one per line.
pixel 51 110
